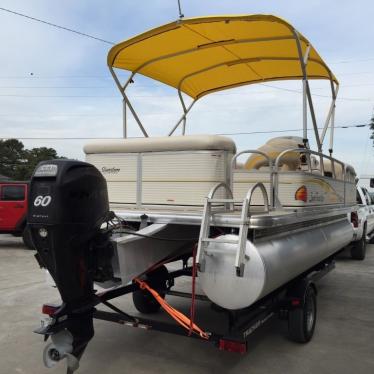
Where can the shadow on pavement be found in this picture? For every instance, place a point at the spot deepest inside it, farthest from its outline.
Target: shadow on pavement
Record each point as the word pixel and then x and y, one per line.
pixel 11 242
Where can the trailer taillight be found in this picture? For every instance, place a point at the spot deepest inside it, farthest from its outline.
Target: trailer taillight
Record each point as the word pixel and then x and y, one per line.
pixel 232 346
pixel 50 309
pixel 301 194
pixel 354 219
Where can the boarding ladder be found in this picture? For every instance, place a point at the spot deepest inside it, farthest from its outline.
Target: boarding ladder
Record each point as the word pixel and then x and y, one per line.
pixel 229 206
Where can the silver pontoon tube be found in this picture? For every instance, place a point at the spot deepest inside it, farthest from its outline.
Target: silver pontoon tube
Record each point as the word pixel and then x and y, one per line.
pixel 269 263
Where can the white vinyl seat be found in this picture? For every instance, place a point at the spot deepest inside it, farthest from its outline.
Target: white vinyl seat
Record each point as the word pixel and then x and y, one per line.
pixel 162 144
pixel 175 170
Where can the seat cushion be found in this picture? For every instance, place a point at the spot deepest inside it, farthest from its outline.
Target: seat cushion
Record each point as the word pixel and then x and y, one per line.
pixel 161 144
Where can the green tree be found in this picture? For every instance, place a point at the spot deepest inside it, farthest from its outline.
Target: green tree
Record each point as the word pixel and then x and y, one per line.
pixel 11 155
pixel 19 163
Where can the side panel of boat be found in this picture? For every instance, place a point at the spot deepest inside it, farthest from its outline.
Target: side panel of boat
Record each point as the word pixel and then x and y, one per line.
pixel 162 178
pixel 120 172
pixel 320 190
pixel 139 252
pixel 270 263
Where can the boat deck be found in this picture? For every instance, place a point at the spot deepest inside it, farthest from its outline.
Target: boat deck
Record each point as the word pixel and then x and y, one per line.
pixel 192 215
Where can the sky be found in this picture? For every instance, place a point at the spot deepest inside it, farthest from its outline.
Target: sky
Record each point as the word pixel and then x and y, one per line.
pixel 56 84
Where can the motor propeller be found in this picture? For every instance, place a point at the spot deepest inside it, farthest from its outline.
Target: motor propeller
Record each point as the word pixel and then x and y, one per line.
pixel 61 348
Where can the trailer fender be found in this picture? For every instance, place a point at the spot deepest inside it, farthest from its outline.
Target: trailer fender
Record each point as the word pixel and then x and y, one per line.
pixel 297 292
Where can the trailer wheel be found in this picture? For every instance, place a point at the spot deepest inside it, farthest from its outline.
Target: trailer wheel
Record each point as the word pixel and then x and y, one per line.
pixel 144 302
pixel 358 249
pixel 302 320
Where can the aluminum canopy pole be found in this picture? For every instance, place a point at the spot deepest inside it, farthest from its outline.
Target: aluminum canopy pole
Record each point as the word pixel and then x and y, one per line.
pixel 127 101
pixel 334 91
pixel 313 115
pixel 129 80
pixel 182 118
pixel 305 115
pixel 307 89
pixel 305 112
pixel 124 118
pixel 132 110
pixel 332 127
pixel 184 110
pixel 331 149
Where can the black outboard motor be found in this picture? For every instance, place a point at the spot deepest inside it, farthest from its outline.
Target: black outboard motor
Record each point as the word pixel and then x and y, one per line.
pixel 68 202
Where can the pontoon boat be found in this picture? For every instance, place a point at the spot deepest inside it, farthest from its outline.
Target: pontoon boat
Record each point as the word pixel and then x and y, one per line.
pixel 257 232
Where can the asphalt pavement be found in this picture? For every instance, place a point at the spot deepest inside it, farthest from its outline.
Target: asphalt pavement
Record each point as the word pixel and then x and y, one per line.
pixel 343 342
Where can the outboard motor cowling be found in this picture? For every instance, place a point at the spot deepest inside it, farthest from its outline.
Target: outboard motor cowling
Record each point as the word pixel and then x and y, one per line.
pixel 68 202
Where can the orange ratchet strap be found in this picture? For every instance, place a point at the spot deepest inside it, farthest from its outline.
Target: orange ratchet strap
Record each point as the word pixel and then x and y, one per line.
pixel 175 314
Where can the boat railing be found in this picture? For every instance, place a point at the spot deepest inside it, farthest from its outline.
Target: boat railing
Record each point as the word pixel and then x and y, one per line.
pixel 244 225
pixel 228 201
pixel 274 170
pixel 241 242
pixel 308 153
pixel 234 169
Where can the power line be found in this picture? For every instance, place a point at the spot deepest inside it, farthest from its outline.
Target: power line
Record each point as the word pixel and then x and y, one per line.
pixel 167 96
pixel 232 134
pixel 61 96
pixel 181 15
pixel 60 115
pixel 145 86
pixel 288 130
pixel 364 162
pixel 57 26
pixel 352 61
pixel 357 73
pixel 314 94
pixel 109 78
pixel 56 77
pixel 52 87
pixel 111 43
pixel 144 96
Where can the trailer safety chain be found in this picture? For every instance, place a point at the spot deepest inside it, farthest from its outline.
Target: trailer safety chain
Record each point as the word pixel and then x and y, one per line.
pixel 179 317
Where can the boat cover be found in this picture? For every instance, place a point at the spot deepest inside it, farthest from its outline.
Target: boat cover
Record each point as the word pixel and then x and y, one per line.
pixel 203 55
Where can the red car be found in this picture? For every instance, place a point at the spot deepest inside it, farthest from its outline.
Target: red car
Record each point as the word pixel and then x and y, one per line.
pixel 13 209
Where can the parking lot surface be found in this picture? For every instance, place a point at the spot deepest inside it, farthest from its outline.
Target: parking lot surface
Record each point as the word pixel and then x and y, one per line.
pixel 343 340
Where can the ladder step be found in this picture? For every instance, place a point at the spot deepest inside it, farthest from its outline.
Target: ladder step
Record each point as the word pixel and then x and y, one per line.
pixel 216 240
pixel 225 201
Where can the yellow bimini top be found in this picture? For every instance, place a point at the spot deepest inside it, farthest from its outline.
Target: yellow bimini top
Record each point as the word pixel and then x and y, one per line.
pixel 202 55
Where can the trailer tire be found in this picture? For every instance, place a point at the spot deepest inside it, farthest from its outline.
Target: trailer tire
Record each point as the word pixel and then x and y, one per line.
pixel 144 302
pixel 358 248
pixel 26 237
pixel 302 320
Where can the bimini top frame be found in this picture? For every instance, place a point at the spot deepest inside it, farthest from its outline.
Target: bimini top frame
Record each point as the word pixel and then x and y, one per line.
pixel 198 56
